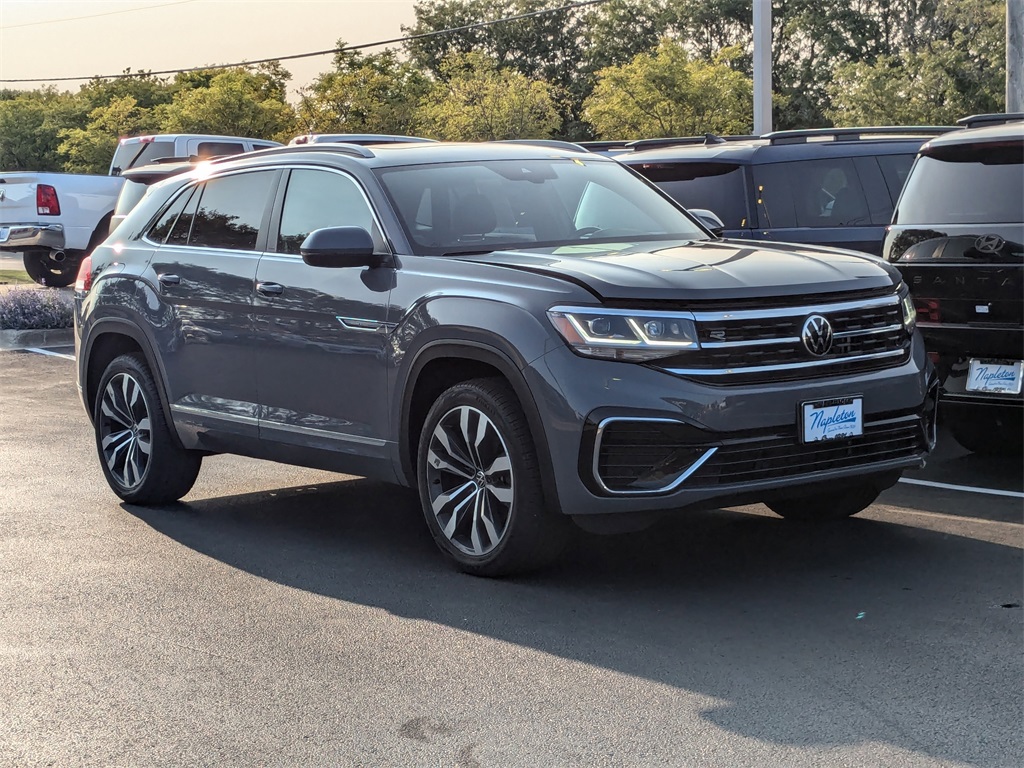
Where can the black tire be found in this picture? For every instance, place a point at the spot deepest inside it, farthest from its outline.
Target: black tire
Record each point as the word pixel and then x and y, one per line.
pixel 41 267
pixel 836 505
pixel 992 432
pixel 491 517
pixel 140 457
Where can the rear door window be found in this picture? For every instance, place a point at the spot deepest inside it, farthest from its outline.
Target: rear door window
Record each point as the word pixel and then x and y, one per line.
pixel 966 184
pixel 811 193
pixel 718 187
pixel 231 210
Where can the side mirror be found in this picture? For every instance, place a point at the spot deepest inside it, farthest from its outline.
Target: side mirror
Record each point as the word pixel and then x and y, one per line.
pixel 339 247
pixel 709 219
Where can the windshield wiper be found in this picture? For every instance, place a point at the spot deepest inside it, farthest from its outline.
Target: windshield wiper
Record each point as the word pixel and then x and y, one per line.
pixel 468 253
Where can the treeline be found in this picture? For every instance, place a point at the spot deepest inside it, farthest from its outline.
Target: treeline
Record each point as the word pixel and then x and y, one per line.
pixel 621 69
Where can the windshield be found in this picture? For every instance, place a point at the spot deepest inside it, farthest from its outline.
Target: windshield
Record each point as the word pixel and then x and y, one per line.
pixel 453 208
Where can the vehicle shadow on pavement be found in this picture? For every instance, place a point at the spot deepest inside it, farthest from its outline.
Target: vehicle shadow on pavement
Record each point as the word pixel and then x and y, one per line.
pixel 747 608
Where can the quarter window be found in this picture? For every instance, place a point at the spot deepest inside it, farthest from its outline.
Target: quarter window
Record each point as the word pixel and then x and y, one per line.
pixel 166 223
pixel 318 199
pixel 231 210
pixel 815 193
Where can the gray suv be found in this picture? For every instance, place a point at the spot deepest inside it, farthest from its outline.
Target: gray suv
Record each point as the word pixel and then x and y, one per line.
pixel 528 335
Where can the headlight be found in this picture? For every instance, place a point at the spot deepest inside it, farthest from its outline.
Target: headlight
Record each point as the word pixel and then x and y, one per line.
pixel 618 334
pixel 909 313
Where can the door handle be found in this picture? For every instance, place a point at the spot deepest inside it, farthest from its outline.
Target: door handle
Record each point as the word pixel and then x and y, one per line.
pixel 169 280
pixel 269 289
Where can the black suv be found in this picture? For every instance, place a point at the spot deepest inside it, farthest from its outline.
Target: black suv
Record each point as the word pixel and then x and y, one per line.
pixel 830 186
pixel 525 334
pixel 958 238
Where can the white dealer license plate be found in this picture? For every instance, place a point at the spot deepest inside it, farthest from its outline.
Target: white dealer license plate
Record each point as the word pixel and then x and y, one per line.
pixel 1003 378
pixel 833 419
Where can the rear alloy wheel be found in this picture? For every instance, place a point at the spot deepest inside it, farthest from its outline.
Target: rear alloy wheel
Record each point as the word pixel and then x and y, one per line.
pixel 141 459
pixel 826 506
pixel 480 483
pixel 41 267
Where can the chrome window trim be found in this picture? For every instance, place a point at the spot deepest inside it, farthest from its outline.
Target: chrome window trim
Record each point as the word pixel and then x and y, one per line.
pixel 783 366
pixel 666 489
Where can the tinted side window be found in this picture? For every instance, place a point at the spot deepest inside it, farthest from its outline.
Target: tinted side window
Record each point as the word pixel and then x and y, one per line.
pixel 717 187
pixel 231 210
pixel 165 225
pixel 979 184
pixel 895 169
pixel 215 148
pixel 318 199
pixel 811 193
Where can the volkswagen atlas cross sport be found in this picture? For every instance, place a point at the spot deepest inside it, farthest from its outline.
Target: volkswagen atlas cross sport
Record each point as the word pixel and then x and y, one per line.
pixel 527 335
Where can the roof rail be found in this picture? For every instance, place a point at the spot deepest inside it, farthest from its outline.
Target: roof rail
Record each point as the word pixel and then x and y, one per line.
pixel 604 146
pixel 802 136
pixel 707 139
pixel 994 118
pixel 568 146
pixel 355 150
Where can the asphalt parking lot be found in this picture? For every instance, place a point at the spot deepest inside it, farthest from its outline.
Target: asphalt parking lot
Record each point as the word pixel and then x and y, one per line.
pixel 283 616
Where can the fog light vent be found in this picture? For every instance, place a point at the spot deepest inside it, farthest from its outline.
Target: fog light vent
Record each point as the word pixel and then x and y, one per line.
pixel 645 455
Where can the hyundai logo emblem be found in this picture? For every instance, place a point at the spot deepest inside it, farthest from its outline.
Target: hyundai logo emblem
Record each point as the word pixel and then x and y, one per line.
pixel 989 244
pixel 817 335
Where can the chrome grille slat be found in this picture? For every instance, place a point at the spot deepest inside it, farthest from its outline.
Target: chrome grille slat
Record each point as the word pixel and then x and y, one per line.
pixel 751 346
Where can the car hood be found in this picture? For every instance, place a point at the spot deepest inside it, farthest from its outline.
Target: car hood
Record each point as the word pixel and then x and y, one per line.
pixel 702 270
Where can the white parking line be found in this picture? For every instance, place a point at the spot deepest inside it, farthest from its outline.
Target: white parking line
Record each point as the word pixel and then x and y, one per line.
pixel 49 353
pixel 967 488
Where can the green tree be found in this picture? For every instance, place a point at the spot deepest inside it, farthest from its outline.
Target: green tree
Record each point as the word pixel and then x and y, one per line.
pixel 238 101
pixel 30 124
pixel 89 149
pixel 364 94
pixel 666 93
pixel 935 83
pixel 478 101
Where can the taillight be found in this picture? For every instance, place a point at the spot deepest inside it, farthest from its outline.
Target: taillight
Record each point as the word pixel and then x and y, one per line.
pixel 84 281
pixel 928 310
pixel 47 203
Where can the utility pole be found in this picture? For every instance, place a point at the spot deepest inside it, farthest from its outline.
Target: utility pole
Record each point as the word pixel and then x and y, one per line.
pixel 1014 56
pixel 763 64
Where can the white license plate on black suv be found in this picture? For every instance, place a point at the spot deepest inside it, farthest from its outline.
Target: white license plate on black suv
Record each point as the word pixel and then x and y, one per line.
pixel 832 419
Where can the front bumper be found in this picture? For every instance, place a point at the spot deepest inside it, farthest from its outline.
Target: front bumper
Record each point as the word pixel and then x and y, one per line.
pixel 741 440
pixel 20 237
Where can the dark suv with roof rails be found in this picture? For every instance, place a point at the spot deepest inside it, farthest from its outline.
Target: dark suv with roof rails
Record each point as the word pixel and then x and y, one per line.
pixel 527 335
pixel 833 186
pixel 958 238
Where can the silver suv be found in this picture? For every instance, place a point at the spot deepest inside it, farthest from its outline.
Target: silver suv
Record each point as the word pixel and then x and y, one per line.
pixel 528 335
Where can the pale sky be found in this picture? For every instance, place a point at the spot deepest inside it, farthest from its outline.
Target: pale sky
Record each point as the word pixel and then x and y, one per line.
pixel 48 38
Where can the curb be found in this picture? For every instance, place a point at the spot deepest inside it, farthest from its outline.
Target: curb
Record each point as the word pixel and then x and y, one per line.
pixel 49 337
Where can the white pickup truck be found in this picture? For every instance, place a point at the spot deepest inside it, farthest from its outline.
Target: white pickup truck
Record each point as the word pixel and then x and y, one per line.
pixel 53 219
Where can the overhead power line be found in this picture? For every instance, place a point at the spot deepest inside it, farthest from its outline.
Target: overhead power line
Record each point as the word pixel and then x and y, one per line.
pixel 5 27
pixel 329 51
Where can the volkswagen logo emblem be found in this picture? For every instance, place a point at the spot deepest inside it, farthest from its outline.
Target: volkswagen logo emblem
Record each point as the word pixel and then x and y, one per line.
pixel 817 335
pixel 989 244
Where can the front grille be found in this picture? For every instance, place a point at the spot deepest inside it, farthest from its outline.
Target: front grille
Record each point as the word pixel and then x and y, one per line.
pixel 753 346
pixel 754 459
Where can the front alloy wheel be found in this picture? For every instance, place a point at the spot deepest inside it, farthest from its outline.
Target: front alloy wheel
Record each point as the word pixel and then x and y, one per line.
pixel 469 480
pixel 480 484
